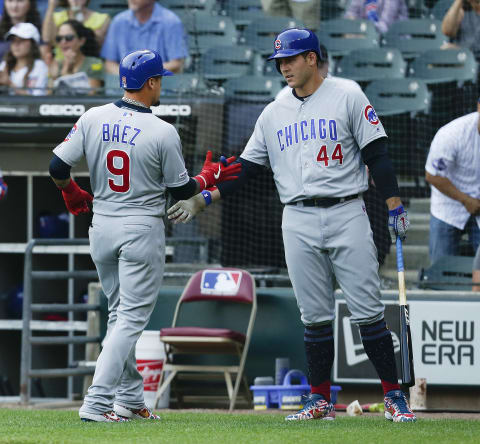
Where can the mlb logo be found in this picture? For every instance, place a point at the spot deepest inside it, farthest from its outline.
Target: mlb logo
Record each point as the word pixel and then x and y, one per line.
pixel 124 82
pixel 220 282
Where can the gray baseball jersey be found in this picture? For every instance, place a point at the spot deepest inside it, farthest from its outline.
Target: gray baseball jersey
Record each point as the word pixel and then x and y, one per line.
pixel 132 157
pixel 313 146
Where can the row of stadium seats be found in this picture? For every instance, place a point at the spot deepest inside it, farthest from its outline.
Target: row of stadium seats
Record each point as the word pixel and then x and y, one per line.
pixel 243 12
pixel 341 36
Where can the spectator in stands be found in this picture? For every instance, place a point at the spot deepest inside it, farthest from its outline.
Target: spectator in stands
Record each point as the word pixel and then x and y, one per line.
pixel 17 11
pixel 81 68
pixel 22 69
pixel 73 10
pixel 308 11
pixel 146 25
pixel 452 169
pixel 381 12
pixel 462 24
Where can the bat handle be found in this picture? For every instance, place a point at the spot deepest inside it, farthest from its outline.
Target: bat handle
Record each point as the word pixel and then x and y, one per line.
pixel 400 266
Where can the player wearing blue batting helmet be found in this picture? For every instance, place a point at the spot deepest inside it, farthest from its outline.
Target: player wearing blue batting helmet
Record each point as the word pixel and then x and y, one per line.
pixel 138 66
pixel 294 41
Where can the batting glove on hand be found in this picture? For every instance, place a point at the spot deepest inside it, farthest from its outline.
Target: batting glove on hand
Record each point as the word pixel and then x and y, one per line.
pixel 185 210
pixel 76 199
pixel 216 172
pixel 3 188
pixel 398 223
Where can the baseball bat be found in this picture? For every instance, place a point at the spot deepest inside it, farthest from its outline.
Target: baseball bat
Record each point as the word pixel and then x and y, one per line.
pixel 406 351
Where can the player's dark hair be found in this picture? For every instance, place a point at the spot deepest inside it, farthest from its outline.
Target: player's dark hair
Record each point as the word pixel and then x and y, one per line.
pixel 33 55
pixel 90 47
pixel 322 56
pixel 33 17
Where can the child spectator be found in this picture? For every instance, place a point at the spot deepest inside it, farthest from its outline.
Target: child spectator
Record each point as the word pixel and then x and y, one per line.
pixel 80 68
pixel 17 11
pixel 73 10
pixel 23 70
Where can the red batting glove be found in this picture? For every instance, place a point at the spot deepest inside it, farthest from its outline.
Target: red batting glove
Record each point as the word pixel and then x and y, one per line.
pixel 76 199
pixel 216 172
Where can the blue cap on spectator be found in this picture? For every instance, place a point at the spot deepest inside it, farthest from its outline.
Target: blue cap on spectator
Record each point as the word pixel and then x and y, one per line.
pixel 138 66
pixel 24 31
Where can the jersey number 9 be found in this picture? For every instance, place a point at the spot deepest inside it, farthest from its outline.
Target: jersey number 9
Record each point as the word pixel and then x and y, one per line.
pixel 123 172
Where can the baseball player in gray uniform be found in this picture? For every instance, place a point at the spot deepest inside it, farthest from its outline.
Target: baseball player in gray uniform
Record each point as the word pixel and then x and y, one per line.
pixel 317 141
pixel 133 158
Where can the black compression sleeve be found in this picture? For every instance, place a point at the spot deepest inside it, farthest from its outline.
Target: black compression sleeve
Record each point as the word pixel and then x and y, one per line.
pixel 184 191
pixel 249 170
pixel 59 169
pixel 375 156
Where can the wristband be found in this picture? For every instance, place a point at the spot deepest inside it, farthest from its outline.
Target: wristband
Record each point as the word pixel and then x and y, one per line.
pixel 396 211
pixel 207 196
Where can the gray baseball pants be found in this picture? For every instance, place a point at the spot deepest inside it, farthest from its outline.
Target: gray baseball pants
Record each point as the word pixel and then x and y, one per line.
pixel 322 244
pixel 129 254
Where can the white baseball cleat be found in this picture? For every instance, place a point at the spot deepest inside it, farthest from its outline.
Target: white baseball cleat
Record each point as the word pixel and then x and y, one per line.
pixel 129 413
pixel 101 417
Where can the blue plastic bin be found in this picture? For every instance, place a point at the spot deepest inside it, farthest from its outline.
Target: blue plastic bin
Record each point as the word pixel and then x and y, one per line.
pixel 287 396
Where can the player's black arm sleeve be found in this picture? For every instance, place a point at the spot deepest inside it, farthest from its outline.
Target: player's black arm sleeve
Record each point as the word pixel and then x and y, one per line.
pixel 375 156
pixel 184 192
pixel 249 170
pixel 59 169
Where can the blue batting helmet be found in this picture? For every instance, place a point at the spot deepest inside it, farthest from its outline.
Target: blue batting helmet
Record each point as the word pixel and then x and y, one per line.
pixel 294 41
pixel 138 66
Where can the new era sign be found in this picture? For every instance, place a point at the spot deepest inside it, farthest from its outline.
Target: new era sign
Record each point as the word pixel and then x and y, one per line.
pixel 351 361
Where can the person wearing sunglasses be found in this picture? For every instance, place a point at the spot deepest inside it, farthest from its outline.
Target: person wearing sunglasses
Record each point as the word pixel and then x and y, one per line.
pixel 462 24
pixel 22 69
pixel 80 51
pixel 98 22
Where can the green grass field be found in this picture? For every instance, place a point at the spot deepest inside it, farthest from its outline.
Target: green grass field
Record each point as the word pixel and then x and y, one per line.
pixel 53 426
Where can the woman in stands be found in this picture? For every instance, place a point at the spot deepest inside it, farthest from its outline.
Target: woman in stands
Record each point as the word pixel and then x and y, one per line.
pixel 73 10
pixel 22 69
pixel 17 11
pixel 80 51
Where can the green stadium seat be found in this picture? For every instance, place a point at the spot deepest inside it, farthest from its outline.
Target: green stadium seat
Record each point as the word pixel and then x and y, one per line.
pixel 363 65
pixel 205 31
pixel 220 63
pixel 448 273
pixel 260 34
pixel 341 36
pixel 403 95
pixel 253 88
pixel 451 75
pixel 182 83
pixel 414 36
pixel 403 106
pixel 445 65
pixel 112 85
pixel 181 6
pixel 244 12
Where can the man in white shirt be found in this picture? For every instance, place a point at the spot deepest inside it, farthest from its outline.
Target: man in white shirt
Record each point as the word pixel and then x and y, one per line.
pixel 453 168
